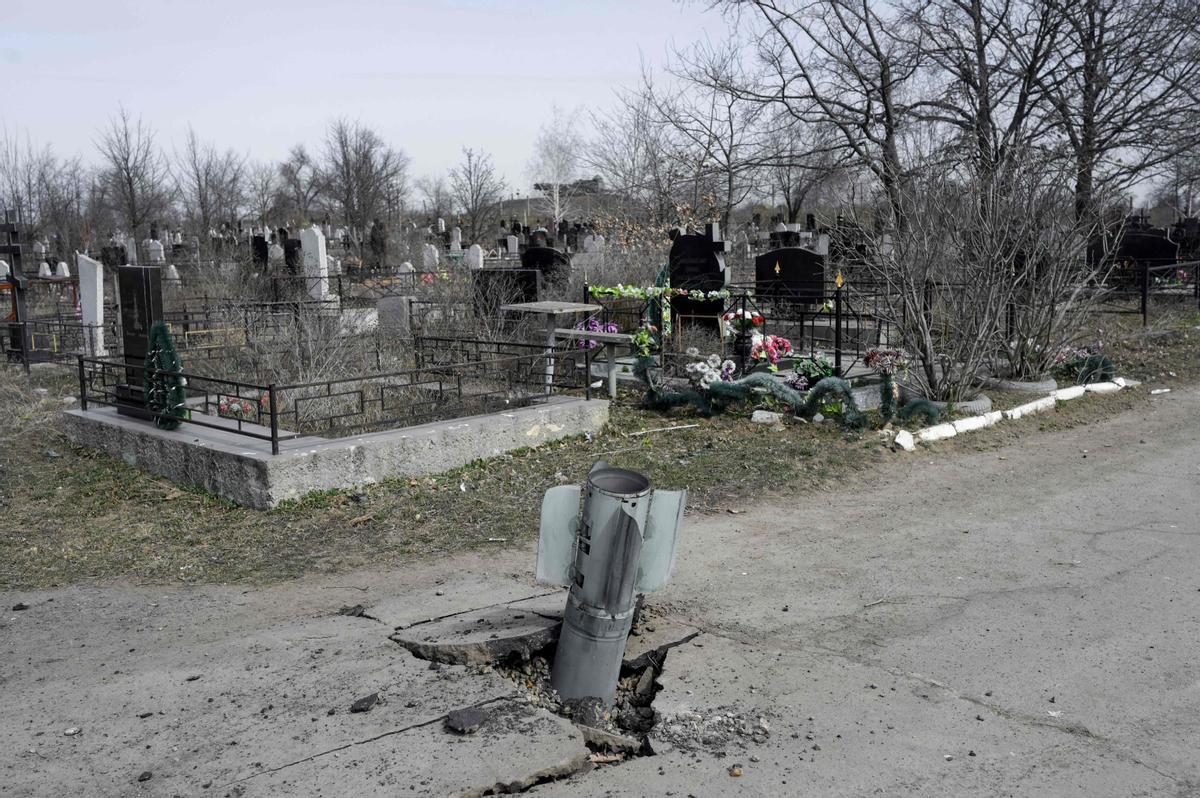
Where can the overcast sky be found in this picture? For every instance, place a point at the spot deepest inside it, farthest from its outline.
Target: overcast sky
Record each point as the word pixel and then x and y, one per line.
pixel 262 75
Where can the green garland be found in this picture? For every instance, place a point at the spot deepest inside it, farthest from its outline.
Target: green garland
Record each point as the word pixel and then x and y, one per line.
pixel 1094 368
pixel 924 408
pixel 887 397
pixel 163 386
pixel 721 395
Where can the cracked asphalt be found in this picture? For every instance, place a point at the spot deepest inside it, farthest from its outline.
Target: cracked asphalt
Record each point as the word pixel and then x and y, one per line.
pixel 1023 621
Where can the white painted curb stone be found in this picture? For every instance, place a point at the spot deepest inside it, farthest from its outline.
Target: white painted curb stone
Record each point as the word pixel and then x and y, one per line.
pixel 977 422
pixel 1029 408
pixel 1065 394
pixel 906 441
pixel 936 433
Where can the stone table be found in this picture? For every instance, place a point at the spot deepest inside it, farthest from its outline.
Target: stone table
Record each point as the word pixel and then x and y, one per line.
pixel 551 312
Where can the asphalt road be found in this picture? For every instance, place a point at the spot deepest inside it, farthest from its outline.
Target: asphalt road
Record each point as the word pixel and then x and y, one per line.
pixel 1021 622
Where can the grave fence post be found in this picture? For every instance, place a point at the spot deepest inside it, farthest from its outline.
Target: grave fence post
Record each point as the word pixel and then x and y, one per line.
pixel 83 402
pixel 273 409
pixel 1145 294
pixel 837 331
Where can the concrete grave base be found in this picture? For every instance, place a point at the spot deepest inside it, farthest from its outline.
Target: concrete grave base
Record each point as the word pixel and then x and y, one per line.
pixel 244 471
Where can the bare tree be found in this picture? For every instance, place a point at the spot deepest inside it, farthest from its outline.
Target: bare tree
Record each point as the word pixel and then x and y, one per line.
pixel 1125 71
pixel 836 63
pixel 435 194
pixel 554 167
pixel 48 194
pixel 949 274
pixel 65 190
pixel 301 182
pixel 20 165
pixel 477 191
pixel 801 168
pixel 981 65
pixel 1179 188
pixel 633 154
pixel 211 183
pixel 1054 285
pixel 261 189
pixel 715 123
pixel 363 175
pixel 135 172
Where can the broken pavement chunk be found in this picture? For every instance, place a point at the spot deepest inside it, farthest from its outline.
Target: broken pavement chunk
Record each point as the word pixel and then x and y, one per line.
pixel 489 635
pixel 465 721
pixel 365 704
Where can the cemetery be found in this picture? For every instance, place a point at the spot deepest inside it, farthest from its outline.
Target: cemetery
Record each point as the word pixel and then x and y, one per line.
pixel 813 414
pixel 298 371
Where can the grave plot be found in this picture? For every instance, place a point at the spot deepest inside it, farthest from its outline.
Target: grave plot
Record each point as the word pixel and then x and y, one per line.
pixel 283 386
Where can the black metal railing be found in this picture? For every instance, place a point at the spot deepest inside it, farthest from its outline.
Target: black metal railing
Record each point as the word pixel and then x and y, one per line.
pixel 241 408
pixel 431 351
pixel 828 319
pixel 437 391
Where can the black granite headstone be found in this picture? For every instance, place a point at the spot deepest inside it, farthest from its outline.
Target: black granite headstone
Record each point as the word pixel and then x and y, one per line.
pixel 113 256
pixel 292 255
pixel 784 238
pixel 140 293
pixel 697 263
pixel 791 274
pixel 259 250
pixel 552 263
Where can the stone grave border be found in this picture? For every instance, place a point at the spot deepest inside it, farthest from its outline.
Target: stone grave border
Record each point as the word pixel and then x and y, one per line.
pixel 908 441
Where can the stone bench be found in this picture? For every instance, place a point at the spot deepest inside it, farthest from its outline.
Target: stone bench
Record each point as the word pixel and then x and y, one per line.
pixel 608 340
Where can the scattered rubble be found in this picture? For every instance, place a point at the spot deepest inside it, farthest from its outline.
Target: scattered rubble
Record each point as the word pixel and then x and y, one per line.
pixel 719 728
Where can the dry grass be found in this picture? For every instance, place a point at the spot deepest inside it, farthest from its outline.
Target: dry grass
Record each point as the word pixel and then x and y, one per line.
pixel 69 515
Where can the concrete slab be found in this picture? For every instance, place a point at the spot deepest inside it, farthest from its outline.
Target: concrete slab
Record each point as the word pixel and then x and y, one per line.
pixel 516 747
pixel 492 634
pixel 470 589
pixel 843 728
pixel 244 470
pixel 215 711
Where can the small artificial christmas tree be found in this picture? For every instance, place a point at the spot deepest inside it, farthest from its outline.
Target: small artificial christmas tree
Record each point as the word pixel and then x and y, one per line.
pixel 163 384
